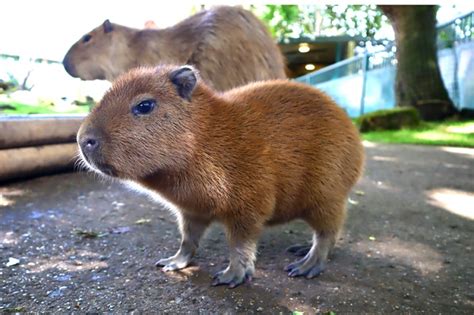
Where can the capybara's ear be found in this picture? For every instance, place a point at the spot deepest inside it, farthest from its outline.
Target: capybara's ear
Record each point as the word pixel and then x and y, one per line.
pixel 108 27
pixel 185 79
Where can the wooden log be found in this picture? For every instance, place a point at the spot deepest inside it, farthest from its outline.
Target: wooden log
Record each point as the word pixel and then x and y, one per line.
pixel 26 162
pixel 17 132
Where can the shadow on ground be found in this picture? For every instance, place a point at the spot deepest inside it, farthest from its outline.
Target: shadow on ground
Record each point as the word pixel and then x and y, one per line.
pixel 89 245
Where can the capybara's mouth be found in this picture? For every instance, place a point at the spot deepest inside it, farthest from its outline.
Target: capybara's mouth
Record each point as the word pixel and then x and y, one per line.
pixel 106 169
pixel 99 166
pixel 99 76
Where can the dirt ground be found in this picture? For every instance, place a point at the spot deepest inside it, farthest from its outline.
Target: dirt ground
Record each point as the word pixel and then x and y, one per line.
pixel 84 244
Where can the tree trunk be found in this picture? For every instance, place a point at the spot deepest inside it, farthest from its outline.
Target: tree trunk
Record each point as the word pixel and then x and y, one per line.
pixel 418 81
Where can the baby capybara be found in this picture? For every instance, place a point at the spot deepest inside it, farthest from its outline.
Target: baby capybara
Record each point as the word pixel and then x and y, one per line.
pixel 261 154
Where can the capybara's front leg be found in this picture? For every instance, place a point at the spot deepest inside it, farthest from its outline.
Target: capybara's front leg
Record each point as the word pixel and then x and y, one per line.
pixel 191 229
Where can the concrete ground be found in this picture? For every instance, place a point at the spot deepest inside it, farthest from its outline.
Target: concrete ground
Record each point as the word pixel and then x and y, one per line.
pixel 72 242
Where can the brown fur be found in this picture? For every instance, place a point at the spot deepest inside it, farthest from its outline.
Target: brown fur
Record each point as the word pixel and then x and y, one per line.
pixel 261 154
pixel 228 45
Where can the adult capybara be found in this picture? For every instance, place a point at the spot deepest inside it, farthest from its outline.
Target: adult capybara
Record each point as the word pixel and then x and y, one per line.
pixel 228 45
pixel 265 153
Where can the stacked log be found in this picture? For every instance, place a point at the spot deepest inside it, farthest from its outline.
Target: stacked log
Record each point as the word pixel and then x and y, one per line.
pixel 37 145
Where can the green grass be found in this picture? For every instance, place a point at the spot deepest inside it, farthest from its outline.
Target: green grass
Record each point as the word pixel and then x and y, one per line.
pixel 388 112
pixel 24 109
pixel 448 133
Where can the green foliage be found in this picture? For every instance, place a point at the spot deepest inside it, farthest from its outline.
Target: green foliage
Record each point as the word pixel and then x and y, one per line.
pixel 445 38
pixel 389 119
pixel 448 133
pixel 6 86
pixel 286 21
pixel 16 309
pixel 15 108
pixel 362 20
pixel 10 85
pixel 89 103
pixel 281 19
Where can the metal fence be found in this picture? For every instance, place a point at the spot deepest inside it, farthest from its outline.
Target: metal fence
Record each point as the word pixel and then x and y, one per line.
pixel 366 83
pixel 359 84
pixel 460 30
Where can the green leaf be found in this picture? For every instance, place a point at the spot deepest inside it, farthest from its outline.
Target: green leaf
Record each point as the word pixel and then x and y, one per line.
pixel 142 221
pixel 90 233
pixel 16 309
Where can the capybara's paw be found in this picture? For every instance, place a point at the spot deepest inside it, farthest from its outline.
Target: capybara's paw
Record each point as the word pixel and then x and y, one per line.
pixel 232 277
pixel 299 250
pixel 173 263
pixel 305 267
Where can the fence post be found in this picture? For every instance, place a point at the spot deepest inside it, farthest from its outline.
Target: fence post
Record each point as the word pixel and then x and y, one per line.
pixel 365 66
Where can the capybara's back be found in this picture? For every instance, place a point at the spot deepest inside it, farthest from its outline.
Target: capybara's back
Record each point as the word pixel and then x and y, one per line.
pixel 229 45
pixel 236 43
pixel 313 150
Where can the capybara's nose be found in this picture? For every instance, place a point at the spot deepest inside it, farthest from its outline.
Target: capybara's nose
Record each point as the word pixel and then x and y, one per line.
pixel 89 145
pixel 69 67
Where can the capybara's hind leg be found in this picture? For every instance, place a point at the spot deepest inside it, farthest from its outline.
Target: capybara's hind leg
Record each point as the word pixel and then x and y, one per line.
pixel 314 262
pixel 326 227
pixel 299 250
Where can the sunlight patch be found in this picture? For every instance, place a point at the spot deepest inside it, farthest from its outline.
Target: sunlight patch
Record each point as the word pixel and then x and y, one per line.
pixel 384 158
pixel 8 238
pixel 464 151
pixel 465 129
pixel 421 257
pixel 450 165
pixel 433 136
pixel 369 144
pixel 455 201
pixel 64 264
pixel 4 201
pixel 5 193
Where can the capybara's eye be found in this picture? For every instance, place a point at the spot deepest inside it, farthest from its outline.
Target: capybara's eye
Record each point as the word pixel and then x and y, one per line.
pixel 86 38
pixel 144 107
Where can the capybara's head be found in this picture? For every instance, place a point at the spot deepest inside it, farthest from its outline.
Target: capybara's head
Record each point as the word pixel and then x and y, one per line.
pixel 144 124
pixel 100 54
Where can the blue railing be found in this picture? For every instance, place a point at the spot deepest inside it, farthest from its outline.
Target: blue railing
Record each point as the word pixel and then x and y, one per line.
pixel 359 84
pixel 457 31
pixel 366 82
